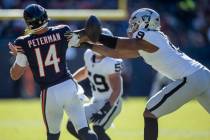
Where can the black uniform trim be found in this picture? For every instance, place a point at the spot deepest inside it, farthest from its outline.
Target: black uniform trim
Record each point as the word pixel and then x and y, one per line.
pixel 94 58
pixel 166 96
pixel 45 86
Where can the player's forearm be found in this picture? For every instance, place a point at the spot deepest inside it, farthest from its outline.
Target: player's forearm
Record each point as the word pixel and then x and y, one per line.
pixel 18 68
pixel 105 51
pixel 115 82
pixel 14 74
pixel 126 44
pixel 81 74
pixel 124 54
pixel 114 96
pixel 122 43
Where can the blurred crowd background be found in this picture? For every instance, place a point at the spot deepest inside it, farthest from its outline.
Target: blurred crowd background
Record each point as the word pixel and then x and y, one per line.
pixel 186 22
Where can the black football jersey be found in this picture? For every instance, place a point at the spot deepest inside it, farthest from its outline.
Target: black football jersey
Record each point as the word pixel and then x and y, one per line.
pixel 46 54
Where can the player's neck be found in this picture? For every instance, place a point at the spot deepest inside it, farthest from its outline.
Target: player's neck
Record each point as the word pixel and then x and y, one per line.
pixel 42 31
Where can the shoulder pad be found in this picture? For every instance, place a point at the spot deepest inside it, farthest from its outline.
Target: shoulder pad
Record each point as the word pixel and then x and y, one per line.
pixel 62 26
pixel 88 53
pixel 22 37
pixel 112 65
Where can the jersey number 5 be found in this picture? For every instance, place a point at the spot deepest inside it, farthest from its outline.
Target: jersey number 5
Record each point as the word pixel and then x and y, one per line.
pixel 51 59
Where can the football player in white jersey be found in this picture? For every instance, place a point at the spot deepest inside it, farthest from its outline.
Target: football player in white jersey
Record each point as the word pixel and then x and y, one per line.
pixel 190 78
pixel 104 74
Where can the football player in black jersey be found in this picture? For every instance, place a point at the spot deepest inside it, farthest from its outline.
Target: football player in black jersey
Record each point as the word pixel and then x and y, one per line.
pixel 44 50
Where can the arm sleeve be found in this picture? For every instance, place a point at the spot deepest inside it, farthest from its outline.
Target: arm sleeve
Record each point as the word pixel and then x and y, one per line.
pixel 18 42
pixel 66 28
pixel 72 39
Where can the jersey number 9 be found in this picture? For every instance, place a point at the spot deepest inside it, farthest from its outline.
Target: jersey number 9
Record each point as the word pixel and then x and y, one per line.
pixel 99 83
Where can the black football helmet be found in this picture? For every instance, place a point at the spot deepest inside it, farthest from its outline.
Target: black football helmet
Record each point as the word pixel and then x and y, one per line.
pixel 35 16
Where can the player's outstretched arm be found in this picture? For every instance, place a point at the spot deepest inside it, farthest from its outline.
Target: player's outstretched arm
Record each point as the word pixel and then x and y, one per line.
pixel 93 31
pixel 122 43
pixel 81 74
pixel 18 68
pixel 124 54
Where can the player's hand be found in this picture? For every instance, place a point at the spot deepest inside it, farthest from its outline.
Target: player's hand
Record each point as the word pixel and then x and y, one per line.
pixel 15 49
pixel 101 113
pixel 73 39
pixel 97 117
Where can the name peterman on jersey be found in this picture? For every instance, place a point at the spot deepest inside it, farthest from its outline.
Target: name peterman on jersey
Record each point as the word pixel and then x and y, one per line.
pixel 45 56
pixel 44 40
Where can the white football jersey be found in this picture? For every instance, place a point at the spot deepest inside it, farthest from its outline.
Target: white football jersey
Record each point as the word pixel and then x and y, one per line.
pixel 167 60
pixel 98 73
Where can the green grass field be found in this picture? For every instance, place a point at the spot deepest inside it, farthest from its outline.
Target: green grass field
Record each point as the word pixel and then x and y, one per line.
pixel 22 120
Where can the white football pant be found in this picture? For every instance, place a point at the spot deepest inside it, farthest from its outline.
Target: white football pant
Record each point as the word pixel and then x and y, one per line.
pixel 59 98
pixel 181 91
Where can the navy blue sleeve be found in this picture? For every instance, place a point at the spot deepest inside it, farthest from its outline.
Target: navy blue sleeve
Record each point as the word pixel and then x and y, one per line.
pixel 18 42
pixel 66 28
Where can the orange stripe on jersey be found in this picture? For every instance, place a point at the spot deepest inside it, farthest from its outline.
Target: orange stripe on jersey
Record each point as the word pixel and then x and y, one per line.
pixel 44 94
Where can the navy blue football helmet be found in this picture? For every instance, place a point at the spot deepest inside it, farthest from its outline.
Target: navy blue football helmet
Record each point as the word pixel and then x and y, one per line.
pixel 35 16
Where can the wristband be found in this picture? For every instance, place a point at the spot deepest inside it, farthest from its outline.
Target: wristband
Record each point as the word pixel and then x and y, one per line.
pixel 86 45
pixel 21 60
pixel 108 41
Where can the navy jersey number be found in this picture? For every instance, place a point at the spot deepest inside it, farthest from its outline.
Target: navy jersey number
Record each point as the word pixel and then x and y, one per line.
pixel 140 35
pixel 99 83
pixel 51 59
pixel 118 67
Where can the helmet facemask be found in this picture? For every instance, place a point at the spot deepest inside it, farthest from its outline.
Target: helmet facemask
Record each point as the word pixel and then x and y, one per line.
pixel 132 28
pixel 143 19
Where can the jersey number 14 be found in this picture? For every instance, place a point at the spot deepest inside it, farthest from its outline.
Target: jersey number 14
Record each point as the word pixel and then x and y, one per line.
pixel 51 59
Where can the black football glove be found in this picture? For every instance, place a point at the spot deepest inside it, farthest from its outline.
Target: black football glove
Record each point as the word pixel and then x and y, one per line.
pixel 101 113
